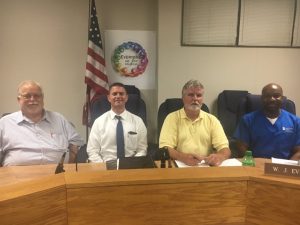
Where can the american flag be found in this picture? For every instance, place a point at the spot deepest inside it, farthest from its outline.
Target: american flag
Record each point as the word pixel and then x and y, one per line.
pixel 95 75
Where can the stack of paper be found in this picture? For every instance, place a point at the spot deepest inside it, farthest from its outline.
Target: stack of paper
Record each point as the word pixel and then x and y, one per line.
pixel 285 161
pixel 227 162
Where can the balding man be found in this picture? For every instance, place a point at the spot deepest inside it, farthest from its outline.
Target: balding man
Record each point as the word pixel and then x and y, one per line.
pixel 271 131
pixel 34 135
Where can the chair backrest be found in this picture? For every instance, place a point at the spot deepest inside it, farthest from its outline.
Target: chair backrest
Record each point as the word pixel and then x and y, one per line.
pixel 135 105
pixel 253 102
pixel 228 105
pixel 131 89
pixel 168 106
pixel 4 114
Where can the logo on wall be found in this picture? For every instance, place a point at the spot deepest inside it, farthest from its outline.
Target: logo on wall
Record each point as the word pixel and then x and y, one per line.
pixel 130 59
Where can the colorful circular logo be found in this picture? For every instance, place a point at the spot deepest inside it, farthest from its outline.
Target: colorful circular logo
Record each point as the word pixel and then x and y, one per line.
pixel 130 59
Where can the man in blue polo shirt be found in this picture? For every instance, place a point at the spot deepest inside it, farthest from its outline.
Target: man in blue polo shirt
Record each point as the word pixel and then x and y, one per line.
pixel 271 131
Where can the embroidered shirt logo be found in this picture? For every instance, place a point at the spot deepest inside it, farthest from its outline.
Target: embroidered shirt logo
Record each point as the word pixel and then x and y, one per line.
pixel 288 129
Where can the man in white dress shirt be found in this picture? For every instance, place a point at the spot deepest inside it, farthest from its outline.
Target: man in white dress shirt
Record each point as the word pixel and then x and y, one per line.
pixel 102 143
pixel 34 135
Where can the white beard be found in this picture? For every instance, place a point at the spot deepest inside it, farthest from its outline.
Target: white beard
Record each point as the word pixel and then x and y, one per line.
pixel 194 107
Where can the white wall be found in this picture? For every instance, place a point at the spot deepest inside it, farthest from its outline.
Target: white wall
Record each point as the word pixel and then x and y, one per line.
pixel 219 68
pixel 46 41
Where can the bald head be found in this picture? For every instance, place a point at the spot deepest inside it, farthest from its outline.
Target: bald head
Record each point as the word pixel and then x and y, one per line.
pixel 271 97
pixel 28 83
pixel 272 87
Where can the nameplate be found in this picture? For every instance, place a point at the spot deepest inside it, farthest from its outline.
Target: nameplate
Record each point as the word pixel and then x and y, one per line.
pixel 282 170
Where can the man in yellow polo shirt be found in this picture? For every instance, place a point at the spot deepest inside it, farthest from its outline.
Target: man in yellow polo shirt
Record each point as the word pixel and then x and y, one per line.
pixel 192 135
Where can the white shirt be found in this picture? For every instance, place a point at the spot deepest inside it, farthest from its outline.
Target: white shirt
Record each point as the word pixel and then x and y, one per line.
pixel 102 143
pixel 23 142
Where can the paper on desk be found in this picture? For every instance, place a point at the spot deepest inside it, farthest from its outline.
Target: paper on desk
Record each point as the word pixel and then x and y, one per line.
pixel 182 164
pixel 231 162
pixel 227 162
pixel 284 161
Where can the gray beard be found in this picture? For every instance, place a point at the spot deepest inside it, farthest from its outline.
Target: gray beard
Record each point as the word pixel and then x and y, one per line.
pixel 194 107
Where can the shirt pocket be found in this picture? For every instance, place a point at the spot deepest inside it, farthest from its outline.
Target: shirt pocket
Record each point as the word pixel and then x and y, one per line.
pixel 132 141
pixel 58 140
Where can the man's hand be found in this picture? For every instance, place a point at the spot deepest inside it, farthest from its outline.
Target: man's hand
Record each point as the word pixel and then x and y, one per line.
pixel 216 159
pixel 73 150
pixel 190 159
pixel 296 153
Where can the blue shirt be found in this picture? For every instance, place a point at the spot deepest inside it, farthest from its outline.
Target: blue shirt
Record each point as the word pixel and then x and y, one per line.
pixel 23 142
pixel 268 140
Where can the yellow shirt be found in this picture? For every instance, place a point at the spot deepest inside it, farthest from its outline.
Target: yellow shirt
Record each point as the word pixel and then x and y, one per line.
pixel 201 136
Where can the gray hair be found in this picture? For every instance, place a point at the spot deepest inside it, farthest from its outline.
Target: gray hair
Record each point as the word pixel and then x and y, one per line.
pixel 191 83
pixel 31 83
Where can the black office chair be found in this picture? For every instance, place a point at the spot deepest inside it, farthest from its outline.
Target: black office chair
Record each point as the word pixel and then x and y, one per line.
pixel 4 114
pixel 228 105
pixel 135 104
pixel 253 102
pixel 168 106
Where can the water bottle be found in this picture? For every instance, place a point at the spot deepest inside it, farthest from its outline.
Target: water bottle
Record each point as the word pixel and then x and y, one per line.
pixel 248 159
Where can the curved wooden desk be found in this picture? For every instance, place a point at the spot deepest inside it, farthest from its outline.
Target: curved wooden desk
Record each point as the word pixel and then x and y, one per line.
pixel 225 195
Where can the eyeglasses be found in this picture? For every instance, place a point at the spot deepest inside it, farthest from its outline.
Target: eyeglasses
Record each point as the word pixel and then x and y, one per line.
pixel 29 96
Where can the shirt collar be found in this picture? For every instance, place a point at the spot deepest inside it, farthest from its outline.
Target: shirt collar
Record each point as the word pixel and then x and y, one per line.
pixel 21 118
pixel 113 114
pixel 184 116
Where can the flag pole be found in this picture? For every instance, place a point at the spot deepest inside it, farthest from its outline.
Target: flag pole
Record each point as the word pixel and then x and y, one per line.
pixel 87 113
pixel 95 76
pixel 87 96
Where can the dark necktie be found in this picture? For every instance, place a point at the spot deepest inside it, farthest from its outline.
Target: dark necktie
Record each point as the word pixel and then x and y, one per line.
pixel 120 138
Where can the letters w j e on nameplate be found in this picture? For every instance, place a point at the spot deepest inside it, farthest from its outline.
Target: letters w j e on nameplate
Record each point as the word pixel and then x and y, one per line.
pixel 282 167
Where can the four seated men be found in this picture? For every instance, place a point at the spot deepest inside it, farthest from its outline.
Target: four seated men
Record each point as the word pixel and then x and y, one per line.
pixel 34 135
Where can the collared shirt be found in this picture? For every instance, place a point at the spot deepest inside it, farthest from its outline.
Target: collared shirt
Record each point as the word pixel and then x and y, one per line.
pixel 102 144
pixel 267 140
pixel 200 136
pixel 23 142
